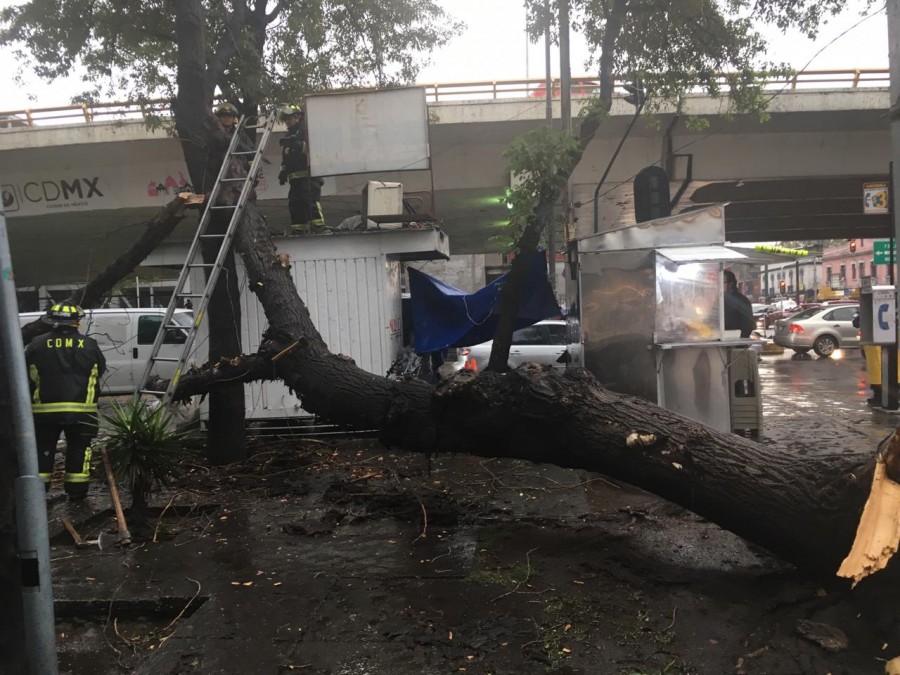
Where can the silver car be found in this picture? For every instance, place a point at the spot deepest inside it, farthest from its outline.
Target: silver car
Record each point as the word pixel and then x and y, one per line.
pixel 543 343
pixel 822 329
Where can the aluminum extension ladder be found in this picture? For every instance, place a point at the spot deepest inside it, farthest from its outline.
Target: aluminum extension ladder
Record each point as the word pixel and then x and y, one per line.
pixel 194 258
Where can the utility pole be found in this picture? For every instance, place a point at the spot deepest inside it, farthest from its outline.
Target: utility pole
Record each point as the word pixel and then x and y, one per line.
pixel 565 103
pixel 39 629
pixel 565 70
pixel 893 15
pixel 548 71
pixel 893 18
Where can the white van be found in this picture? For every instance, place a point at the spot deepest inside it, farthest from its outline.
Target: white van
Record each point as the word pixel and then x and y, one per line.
pixel 126 338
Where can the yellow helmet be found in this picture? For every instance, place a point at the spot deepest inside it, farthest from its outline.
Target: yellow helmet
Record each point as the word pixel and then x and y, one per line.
pixel 226 109
pixel 64 314
pixel 287 111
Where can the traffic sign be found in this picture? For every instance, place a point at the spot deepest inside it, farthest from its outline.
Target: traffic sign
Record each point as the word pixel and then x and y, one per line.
pixel 881 250
pixel 875 197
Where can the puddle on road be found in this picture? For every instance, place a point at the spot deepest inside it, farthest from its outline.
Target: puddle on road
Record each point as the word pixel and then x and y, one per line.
pixel 820 401
pixel 104 637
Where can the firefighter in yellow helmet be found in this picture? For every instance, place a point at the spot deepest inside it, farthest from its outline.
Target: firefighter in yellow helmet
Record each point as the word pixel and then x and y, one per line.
pixel 305 191
pixel 228 116
pixel 65 368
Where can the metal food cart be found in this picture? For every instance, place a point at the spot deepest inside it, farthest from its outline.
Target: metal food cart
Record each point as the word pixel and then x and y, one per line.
pixel 647 312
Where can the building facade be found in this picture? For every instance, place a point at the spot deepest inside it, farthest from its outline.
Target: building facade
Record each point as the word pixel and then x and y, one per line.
pixel 839 272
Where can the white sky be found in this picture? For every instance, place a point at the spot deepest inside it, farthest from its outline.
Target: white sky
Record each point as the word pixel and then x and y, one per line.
pixel 494 47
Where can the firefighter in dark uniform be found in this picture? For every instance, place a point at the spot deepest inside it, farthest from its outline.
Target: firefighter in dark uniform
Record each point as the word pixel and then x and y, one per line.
pixel 65 368
pixel 228 117
pixel 305 191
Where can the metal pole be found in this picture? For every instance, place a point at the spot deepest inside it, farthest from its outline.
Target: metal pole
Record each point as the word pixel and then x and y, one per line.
pixel 31 507
pixel 893 19
pixel 527 43
pixel 565 70
pixel 565 86
pixel 551 239
pixel 637 114
pixel 548 73
pixel 891 240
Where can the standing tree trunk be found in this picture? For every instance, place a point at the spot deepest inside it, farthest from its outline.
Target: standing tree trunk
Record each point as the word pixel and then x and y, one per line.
pixel 204 144
pixel 226 434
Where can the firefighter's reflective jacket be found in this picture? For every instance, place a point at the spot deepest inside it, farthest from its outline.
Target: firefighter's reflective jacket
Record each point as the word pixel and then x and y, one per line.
pixel 294 155
pixel 64 368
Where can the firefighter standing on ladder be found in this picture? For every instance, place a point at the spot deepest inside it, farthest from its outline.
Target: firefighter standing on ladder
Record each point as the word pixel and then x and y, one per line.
pixel 65 368
pixel 305 191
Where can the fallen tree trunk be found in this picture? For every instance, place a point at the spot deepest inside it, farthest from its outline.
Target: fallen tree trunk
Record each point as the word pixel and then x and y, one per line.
pixel 803 511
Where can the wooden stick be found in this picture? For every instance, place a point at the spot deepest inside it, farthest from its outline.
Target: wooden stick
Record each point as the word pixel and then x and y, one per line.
pixel 286 351
pixel 79 542
pixel 124 534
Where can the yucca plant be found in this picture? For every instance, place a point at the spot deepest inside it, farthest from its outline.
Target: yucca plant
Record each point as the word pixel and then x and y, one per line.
pixel 146 450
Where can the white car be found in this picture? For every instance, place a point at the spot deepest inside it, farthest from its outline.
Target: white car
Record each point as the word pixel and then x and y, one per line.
pixel 782 304
pixel 543 343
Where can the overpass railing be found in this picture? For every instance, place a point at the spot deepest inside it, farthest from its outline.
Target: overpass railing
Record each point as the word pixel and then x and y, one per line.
pixel 438 93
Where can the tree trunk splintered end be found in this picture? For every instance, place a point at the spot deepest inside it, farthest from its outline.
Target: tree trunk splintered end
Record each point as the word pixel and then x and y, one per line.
pixel 878 534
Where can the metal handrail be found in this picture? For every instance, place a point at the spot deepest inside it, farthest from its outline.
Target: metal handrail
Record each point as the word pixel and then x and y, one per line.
pixel 857 78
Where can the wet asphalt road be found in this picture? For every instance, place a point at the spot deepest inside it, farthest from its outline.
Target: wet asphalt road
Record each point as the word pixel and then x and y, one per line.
pixel 821 403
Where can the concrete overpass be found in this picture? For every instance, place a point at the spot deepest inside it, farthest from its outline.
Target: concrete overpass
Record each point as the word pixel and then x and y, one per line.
pixel 78 183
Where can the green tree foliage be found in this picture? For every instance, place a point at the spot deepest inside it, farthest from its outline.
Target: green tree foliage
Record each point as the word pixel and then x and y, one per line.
pixel 711 47
pixel 127 50
pixel 247 51
pixel 533 160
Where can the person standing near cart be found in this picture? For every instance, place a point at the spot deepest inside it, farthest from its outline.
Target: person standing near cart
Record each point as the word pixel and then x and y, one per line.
pixel 64 370
pixel 738 309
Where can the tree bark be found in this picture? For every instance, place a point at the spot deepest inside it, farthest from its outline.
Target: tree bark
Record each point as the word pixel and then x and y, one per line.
pixel 226 432
pixel 204 144
pixel 526 249
pixel 805 512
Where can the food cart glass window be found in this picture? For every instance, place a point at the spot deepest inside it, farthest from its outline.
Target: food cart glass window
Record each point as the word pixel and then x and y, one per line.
pixel 688 301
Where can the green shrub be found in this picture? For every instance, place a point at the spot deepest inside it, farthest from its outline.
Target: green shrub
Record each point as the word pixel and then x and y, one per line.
pixel 146 449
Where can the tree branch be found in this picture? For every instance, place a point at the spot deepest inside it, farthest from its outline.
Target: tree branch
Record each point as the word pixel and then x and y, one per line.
pixel 225 372
pixel 93 292
pixel 228 45
pixel 279 8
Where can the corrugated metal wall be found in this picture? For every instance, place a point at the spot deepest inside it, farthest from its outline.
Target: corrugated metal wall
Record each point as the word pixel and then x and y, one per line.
pixel 355 305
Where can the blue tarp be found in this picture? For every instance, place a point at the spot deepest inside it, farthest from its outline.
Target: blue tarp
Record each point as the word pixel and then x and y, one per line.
pixel 444 316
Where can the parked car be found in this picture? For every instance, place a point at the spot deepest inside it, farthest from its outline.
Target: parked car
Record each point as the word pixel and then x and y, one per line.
pixel 759 314
pixel 781 304
pixel 774 315
pixel 544 343
pixel 823 329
